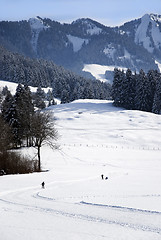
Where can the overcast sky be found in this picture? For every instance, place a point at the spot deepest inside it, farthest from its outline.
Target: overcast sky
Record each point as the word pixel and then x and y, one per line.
pixel 108 12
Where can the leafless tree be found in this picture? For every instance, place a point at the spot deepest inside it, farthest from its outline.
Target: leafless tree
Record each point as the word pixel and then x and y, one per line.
pixel 44 132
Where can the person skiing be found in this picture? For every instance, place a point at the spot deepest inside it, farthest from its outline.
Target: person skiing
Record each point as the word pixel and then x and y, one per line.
pixel 102 176
pixel 43 185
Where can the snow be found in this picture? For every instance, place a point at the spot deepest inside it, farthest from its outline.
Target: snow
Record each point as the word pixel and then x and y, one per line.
pixel 37 26
pixel 127 54
pixel 93 30
pixel 96 138
pixel 98 71
pixel 12 87
pixel 142 35
pixel 90 27
pixel 110 51
pixel 77 42
pixel 159 65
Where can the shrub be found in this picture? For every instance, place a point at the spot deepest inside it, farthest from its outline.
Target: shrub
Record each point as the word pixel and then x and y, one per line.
pixel 14 163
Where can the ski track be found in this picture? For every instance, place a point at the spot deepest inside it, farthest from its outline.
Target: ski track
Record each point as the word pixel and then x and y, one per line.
pixel 19 197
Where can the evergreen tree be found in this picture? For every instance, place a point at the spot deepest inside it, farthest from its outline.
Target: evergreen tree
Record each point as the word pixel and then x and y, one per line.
pixel 117 87
pixel 6 106
pixel 142 92
pixel 152 76
pixel 65 96
pixel 49 97
pixel 156 108
pixel 5 91
pixel 39 97
pixel 21 110
pixel 129 88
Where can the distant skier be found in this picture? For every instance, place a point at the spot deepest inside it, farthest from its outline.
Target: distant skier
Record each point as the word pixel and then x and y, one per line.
pixel 43 185
pixel 102 176
pixel 106 178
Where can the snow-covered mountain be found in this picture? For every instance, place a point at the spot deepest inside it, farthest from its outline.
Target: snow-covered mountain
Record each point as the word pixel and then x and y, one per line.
pixel 37 26
pixel 135 45
pixel 146 32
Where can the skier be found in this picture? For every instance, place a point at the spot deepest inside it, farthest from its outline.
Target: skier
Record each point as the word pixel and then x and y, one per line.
pixel 102 176
pixel 43 185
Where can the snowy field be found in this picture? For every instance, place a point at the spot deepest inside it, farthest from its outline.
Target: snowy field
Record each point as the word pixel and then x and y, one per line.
pixel 95 138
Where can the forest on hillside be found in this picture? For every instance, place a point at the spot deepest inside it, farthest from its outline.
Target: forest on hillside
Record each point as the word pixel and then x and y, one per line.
pixel 66 85
pixel 23 124
pixel 137 91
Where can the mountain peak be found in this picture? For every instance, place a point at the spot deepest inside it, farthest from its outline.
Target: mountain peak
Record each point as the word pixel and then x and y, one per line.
pixel 89 26
pixel 155 17
pixel 37 23
pixel 148 32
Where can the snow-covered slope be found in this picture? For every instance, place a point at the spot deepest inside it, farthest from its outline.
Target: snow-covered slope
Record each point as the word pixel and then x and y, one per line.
pixel 77 42
pixel 88 26
pixel 148 32
pixel 98 71
pixel 95 138
pixel 37 26
pixel 12 87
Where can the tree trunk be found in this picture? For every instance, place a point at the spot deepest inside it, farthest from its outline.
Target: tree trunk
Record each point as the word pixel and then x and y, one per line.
pixel 39 161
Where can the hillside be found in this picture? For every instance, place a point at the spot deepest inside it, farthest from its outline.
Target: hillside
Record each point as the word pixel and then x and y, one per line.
pixel 95 138
pixel 135 45
pixel 38 72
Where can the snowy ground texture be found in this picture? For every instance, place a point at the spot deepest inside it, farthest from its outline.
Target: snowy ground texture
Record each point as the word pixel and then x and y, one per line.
pixel 95 138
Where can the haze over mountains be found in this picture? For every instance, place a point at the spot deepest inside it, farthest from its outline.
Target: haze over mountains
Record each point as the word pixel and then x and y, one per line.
pixel 135 45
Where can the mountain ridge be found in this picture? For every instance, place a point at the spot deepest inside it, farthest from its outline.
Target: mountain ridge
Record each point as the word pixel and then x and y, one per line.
pixel 135 44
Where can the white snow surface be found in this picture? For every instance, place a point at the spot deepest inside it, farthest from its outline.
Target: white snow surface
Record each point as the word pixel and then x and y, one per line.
pixel 12 87
pixel 90 27
pixel 159 65
pixel 37 26
pixel 77 42
pixel 98 71
pixel 141 35
pixel 95 138
pixel 93 30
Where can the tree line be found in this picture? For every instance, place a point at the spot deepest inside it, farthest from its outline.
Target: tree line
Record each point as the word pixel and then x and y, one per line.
pixel 139 91
pixel 22 124
pixel 66 85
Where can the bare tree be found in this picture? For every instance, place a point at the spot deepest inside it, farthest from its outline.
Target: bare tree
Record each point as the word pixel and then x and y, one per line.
pixel 43 132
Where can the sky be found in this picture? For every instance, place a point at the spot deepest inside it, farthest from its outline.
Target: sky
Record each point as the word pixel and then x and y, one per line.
pixel 107 12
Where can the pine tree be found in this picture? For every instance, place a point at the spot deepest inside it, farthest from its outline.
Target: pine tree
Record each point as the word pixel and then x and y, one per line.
pixel 142 92
pixel 65 96
pixel 49 97
pixel 152 76
pixel 129 90
pixel 5 90
pixel 39 97
pixel 156 108
pixel 6 105
pixel 117 93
